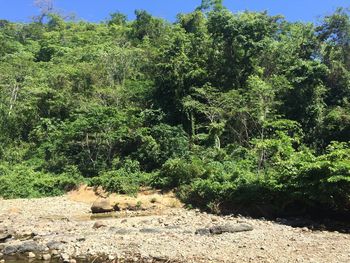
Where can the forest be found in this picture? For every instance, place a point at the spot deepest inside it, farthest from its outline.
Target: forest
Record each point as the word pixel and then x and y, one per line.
pixel 235 112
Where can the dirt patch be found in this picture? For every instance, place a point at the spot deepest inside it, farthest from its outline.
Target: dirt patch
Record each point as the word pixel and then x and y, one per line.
pixel 145 200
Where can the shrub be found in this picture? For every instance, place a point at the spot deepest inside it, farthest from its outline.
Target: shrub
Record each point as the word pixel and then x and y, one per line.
pixel 22 181
pixel 126 180
pixel 176 172
pixel 320 183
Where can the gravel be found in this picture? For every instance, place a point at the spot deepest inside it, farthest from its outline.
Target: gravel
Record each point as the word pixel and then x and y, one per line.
pixel 63 228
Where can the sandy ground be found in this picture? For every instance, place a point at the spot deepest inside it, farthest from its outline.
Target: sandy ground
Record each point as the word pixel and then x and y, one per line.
pixel 162 231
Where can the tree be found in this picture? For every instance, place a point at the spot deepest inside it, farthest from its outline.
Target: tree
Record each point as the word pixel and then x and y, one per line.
pixel 334 32
pixel 117 19
pixel 46 7
pixel 216 5
pixel 147 26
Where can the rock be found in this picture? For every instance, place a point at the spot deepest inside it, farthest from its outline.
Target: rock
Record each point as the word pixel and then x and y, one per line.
pixel 81 239
pixel 202 231
pixel 30 246
pixel 2 260
pixel 1 255
pixel 172 227
pixel 31 255
pixel 99 224
pixel 72 261
pixel 4 237
pixel 54 253
pixel 110 257
pixel 217 230
pixel 123 231
pixel 82 258
pixel 101 205
pixel 65 258
pixel 46 257
pixel 10 250
pixel 116 207
pixel 54 245
pixel 150 230
pixel 28 235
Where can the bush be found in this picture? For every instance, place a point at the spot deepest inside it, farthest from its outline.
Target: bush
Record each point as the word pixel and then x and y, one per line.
pixel 320 183
pixel 22 181
pixel 291 181
pixel 176 172
pixel 126 180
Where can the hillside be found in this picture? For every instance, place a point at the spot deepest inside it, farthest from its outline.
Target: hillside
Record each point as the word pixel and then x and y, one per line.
pixel 235 112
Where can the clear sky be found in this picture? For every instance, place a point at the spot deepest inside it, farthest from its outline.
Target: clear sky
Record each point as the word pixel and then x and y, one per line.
pixel 97 10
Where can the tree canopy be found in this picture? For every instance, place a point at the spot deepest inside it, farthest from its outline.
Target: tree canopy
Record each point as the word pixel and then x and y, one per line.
pixel 231 109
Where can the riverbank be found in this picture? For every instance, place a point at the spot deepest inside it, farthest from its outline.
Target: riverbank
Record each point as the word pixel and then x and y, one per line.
pixel 154 228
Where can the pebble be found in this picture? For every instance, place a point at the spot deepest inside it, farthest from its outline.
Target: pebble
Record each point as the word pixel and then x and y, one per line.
pixel 46 257
pixel 31 255
pixel 99 224
pixel 72 261
pixel 65 257
pixel 2 260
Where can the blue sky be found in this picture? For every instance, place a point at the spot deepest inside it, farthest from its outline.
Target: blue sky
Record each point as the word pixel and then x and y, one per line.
pixel 97 10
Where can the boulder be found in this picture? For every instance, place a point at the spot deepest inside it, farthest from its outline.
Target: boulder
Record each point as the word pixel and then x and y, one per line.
pixel 101 205
pixel 217 230
pixel 9 250
pixel 30 246
pixel 54 245
pixel 4 237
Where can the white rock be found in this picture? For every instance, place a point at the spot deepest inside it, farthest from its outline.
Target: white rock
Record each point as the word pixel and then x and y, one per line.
pixel 46 257
pixel 110 257
pixel 65 257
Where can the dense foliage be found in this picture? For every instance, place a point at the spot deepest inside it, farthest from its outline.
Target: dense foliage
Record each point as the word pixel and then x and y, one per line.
pixel 235 111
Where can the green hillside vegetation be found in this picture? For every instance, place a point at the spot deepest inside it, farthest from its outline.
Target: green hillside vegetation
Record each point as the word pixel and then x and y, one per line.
pixel 233 111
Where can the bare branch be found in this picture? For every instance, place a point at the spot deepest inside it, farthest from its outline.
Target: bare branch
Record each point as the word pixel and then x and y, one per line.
pixel 46 7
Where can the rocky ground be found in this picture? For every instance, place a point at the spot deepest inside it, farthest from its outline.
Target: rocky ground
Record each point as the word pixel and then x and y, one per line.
pixel 155 229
